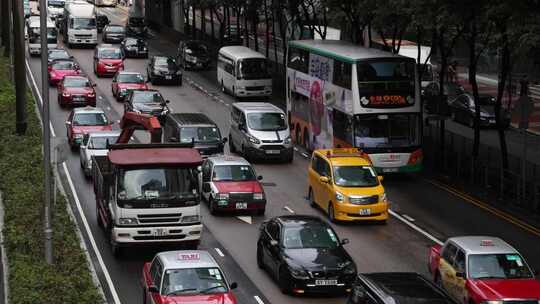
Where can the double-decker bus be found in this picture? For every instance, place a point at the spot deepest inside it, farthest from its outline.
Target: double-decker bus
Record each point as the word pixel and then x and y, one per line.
pixel 344 95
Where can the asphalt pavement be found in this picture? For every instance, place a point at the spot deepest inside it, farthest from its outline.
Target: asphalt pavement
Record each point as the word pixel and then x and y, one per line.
pixel 424 209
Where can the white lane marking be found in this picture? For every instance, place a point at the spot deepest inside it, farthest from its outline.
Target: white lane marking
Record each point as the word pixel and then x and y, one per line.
pixel 413 226
pixel 304 154
pixel 258 300
pixel 408 218
pixel 79 208
pixel 219 252
pixel 288 209
pixel 246 219
pixel 295 148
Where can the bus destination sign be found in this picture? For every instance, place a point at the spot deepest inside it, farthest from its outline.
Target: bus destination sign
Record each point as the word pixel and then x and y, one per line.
pixel 386 101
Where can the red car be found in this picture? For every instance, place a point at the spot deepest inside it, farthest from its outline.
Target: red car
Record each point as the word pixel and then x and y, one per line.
pixel 230 184
pixel 186 276
pixel 124 81
pixel 62 67
pixel 76 91
pixel 85 120
pixel 108 60
pixel 483 269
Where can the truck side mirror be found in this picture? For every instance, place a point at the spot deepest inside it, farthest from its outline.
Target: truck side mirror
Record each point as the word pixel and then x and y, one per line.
pixel 153 289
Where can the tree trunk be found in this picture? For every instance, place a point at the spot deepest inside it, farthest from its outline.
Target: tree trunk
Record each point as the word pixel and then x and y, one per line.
pixel 505 71
pixel 442 76
pixel 187 27
pixel 255 26
pixel 5 27
pixel 212 28
pixel 246 27
pixel 203 21
pixel 267 28
pixel 370 38
pixel 194 28
pixel 274 36
pixel 472 80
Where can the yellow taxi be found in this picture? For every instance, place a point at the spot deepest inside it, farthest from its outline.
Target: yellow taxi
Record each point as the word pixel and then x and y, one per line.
pixel 344 183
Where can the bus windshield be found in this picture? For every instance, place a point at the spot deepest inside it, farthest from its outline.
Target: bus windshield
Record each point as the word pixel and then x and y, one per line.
pixel 388 130
pixel 394 76
pixel 253 68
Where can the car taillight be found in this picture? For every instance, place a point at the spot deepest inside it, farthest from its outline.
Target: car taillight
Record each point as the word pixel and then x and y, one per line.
pixel 416 157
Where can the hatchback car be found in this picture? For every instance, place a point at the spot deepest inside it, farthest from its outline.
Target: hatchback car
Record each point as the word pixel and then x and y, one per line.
pixel 185 276
pixel 164 70
pixel 134 47
pixel 58 53
pixel 95 144
pixel 85 120
pixel 60 68
pixel 76 91
pixel 304 255
pixel 193 54
pixel 113 33
pixel 344 184
pixel 147 102
pixel 124 81
pixel 108 60
pixel 231 184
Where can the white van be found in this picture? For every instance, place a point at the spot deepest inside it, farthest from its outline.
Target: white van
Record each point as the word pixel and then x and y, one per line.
pixel 34 36
pixel 243 72
pixel 411 51
pixel 79 24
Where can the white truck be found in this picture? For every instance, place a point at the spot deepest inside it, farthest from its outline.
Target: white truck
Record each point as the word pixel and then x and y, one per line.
pixel 55 8
pixel 34 36
pixel 78 25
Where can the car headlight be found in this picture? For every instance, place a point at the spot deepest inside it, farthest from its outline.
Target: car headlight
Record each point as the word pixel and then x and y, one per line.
pixel 298 273
pixel 65 94
pixel 258 196
pixel 348 267
pixel 340 197
pixel 127 221
pixel 222 196
pixel 254 140
pixel 493 302
pixel 179 73
pixel 91 95
pixel 78 136
pixel 190 219
pixel 123 90
pixel 287 140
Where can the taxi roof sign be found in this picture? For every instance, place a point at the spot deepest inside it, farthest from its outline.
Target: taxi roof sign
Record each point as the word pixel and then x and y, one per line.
pixel 189 256
pixel 486 243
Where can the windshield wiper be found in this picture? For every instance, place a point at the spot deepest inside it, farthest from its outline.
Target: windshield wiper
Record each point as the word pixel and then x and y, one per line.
pixel 181 290
pixel 211 288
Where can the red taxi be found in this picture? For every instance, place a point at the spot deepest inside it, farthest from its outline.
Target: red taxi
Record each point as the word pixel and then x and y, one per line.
pixel 85 120
pixel 76 91
pixel 108 60
pixel 185 277
pixel 482 270
pixel 230 183
pixel 59 68
pixel 124 81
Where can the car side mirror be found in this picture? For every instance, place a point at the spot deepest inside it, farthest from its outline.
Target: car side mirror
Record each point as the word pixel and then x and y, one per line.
pixel 324 179
pixel 167 101
pixel 153 289
pixel 460 274
pixel 68 122
pixel 344 241
pixel 259 177
pixel 94 85
pixel 273 243
pixel 233 285
pixel 381 178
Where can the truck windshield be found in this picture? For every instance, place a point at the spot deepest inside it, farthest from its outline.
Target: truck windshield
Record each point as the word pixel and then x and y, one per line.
pixel 391 130
pixel 158 184
pixel 83 23
pixel 498 266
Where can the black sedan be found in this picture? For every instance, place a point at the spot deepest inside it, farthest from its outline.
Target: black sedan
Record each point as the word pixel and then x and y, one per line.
pixel 463 110
pixel 113 34
pixel 134 47
pixel 147 102
pixel 136 26
pixel 304 255
pixel 193 54
pixel 164 70
pixel 57 54
pixel 396 288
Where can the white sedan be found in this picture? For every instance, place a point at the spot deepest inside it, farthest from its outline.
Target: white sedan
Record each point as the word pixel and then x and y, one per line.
pixel 95 144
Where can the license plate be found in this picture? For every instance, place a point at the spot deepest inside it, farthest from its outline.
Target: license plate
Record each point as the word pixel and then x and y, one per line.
pixel 160 232
pixel 168 77
pixel 199 64
pixel 241 205
pixel 325 282
pixel 78 98
pixel 492 121
pixel 365 211
pixel 390 170
pixel 272 151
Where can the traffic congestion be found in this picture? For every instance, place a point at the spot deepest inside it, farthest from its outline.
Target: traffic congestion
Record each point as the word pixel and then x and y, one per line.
pixel 198 188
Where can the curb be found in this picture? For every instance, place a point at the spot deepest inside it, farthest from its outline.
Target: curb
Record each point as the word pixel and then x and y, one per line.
pixel 5 269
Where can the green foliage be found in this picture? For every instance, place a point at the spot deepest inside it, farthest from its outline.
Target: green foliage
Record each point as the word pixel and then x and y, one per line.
pixel 31 280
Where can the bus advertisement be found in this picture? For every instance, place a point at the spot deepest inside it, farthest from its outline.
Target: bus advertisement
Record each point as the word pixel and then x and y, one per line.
pixel 344 95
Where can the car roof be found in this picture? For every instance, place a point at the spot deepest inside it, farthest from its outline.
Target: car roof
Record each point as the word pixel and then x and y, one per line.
pixel 483 245
pixel 257 107
pixel 187 259
pixel 239 52
pixel 222 160
pixel 88 110
pixel 124 72
pixel 407 286
pixel 299 220
pixel 191 119
pixel 153 156
pixel 344 157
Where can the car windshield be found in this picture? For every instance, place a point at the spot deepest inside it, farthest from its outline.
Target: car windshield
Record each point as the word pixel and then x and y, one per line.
pixel 394 76
pixel 76 82
pixel 165 62
pixel 235 173
pixel 83 23
pixel 309 236
pixel 253 68
pixel 355 176
pixel 115 29
pixel 193 281
pixel 110 53
pixel 136 21
pixel 159 184
pixel 392 130
pixel 58 54
pixel 146 97
pixel 199 134
pixel 130 78
pixel 266 121
pixel 64 65
pixel 58 4
pixel 90 119
pixel 100 142
pixel 498 266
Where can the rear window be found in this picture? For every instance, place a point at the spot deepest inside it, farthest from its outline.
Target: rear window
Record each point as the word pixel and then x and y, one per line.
pixel 146 97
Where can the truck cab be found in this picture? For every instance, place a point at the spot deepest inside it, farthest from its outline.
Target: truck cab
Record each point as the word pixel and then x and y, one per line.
pixel 482 269
pixel 148 194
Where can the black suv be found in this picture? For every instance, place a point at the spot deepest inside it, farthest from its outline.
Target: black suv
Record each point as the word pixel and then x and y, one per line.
pixel 163 69
pixel 146 102
pixel 396 288
pixel 193 54
pixel 196 128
